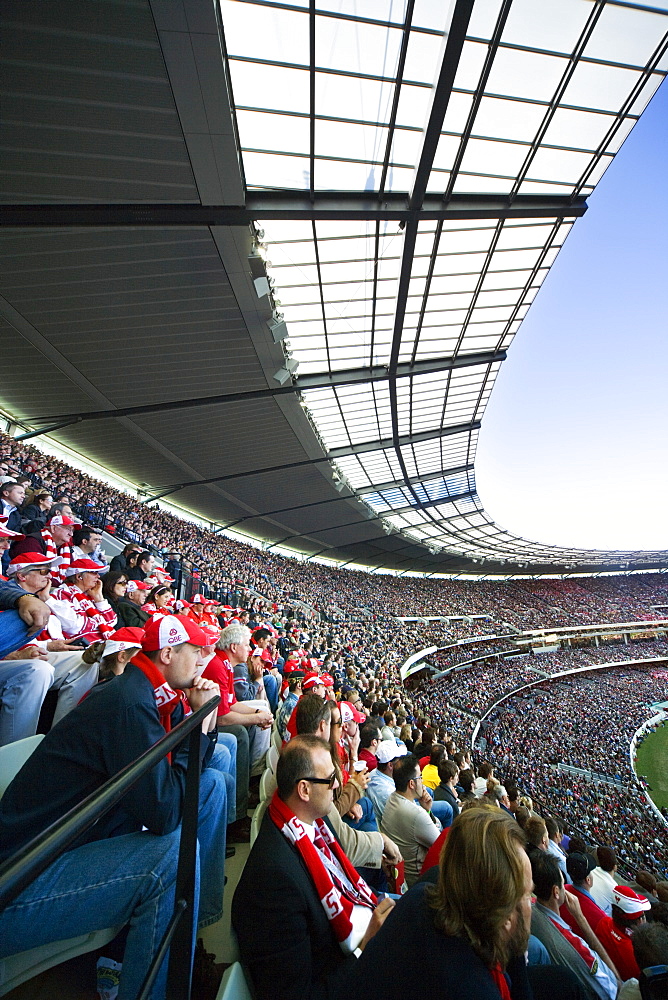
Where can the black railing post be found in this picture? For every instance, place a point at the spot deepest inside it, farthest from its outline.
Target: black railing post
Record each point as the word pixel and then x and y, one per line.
pixel 180 956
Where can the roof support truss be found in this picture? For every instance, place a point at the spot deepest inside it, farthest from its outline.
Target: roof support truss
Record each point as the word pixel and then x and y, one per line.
pixel 339 206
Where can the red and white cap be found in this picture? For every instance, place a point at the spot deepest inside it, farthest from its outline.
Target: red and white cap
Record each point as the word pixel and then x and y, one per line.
pixel 350 714
pixel 172 630
pixel 6 533
pixel 311 680
pixel 31 560
pixel 137 585
pixel 85 566
pixel 123 638
pixel 264 654
pixel 327 680
pixel 200 599
pixel 63 519
pixel 629 902
pixel 212 634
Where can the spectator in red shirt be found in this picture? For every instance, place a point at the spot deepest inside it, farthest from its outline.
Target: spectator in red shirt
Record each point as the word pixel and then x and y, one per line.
pixel 369 740
pixel 616 932
pixel 579 868
pixel 236 717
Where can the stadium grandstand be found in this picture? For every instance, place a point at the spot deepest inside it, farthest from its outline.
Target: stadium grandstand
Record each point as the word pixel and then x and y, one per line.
pixel 268 667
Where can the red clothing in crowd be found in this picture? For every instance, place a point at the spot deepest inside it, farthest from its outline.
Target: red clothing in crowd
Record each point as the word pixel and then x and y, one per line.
pixel 219 669
pixel 369 759
pixel 619 946
pixel 592 913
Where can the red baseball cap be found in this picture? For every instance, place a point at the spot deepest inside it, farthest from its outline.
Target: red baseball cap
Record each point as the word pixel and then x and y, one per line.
pixel 128 637
pixel 199 599
pixel 172 630
pixel 31 560
pixel 85 566
pixel 212 634
pixel 63 519
pixel 6 533
pixel 350 714
pixel 138 585
pixel 629 902
pixel 311 680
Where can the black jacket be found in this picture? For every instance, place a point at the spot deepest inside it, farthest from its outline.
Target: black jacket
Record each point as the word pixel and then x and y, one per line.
pixel 112 726
pixel 285 938
pixel 129 614
pixel 443 793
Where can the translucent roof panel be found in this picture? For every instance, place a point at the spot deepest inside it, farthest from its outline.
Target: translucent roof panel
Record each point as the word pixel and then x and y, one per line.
pixel 527 117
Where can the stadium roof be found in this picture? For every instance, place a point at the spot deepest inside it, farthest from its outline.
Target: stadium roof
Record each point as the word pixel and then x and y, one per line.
pixel 268 258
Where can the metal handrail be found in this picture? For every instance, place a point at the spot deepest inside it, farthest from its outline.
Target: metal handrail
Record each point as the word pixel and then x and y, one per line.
pixel 35 857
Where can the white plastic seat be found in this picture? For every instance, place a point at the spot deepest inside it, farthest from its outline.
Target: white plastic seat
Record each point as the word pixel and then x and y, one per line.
pixel 234 985
pixel 257 820
pixel 272 757
pixel 12 758
pixel 267 784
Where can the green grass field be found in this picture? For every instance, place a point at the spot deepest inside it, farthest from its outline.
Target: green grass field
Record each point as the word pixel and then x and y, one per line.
pixel 652 764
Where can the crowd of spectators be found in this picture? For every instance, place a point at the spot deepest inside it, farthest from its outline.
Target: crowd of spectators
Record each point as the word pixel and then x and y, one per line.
pixel 586 722
pixel 229 568
pixel 475 688
pixel 346 626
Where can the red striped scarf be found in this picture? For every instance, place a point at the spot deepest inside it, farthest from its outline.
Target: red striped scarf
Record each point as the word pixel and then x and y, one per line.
pixel 166 699
pixel 97 620
pixel 65 553
pixel 337 899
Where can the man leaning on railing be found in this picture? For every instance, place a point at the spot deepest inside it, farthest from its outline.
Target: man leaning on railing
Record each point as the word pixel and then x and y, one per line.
pixel 117 874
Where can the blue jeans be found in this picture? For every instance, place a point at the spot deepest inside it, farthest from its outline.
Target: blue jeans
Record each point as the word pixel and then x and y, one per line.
pixel 367 822
pixel 225 760
pixel 271 690
pixel 124 880
pixel 442 810
pixel 14 633
pixel 108 883
pixel 23 686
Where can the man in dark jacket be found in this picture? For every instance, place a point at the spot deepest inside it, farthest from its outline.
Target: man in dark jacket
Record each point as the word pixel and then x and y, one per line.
pixel 129 608
pixel 448 773
pixel 116 874
pixel 288 941
pixel 119 563
pixel 11 497
pixel 471 928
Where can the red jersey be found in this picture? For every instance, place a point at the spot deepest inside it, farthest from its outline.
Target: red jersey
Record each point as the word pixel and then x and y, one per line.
pixel 619 947
pixel 219 669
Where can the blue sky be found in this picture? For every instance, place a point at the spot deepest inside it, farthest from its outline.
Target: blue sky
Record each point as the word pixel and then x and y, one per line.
pixel 574 444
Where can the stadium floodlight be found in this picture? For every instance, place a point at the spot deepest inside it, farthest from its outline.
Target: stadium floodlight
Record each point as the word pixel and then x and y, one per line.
pixel 277 327
pixel 257 265
pixel 261 286
pixel 285 373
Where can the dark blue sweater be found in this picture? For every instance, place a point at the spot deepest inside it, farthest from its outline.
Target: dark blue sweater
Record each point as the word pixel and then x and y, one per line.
pixel 116 723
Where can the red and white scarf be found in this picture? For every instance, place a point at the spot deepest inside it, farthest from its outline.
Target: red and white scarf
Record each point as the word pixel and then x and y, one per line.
pixel 95 623
pixel 65 553
pixel 166 698
pixel 338 885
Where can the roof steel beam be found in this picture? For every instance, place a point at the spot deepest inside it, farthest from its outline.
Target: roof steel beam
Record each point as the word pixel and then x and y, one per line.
pixel 321 380
pixel 329 205
pixel 403 439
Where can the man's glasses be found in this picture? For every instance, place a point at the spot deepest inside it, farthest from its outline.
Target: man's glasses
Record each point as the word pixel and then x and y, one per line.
pixel 330 782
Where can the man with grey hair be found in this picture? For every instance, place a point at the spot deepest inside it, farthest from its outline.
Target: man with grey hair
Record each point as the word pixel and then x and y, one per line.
pixel 249 723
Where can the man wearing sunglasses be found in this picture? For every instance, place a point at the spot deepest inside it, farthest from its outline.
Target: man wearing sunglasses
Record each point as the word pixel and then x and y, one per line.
pixel 301 912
